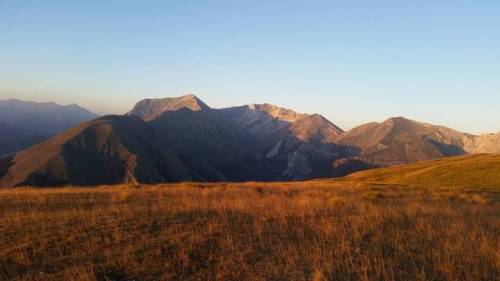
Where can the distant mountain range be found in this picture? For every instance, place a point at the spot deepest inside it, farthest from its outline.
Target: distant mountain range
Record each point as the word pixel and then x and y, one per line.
pixel 183 139
pixel 24 123
pixel 399 140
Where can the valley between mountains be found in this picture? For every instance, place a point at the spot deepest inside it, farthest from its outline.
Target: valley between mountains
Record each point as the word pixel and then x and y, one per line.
pixel 184 139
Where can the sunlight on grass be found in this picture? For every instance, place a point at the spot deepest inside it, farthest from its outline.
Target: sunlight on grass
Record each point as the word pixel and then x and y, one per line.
pixel 280 231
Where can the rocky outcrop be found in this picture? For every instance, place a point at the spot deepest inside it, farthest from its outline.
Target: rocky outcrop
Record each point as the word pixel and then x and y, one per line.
pixel 150 109
pixel 399 140
pixel 183 139
pixel 485 143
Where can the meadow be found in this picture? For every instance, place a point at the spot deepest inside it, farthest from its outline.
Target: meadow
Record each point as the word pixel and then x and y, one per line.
pixel 319 230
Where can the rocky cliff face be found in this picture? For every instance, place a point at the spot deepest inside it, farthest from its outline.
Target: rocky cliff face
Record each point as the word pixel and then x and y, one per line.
pixel 485 143
pixel 175 139
pixel 400 140
pixel 299 145
pixel 263 120
pixel 150 109
pixel 183 139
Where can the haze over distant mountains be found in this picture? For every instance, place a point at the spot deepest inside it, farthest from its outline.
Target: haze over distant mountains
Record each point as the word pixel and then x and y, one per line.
pixel 24 123
pixel 183 139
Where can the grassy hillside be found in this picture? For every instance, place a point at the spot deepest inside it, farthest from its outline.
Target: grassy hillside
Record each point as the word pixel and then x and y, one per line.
pixel 279 231
pixel 476 171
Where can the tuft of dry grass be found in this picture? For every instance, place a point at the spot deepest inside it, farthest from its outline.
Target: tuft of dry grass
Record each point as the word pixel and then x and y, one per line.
pixel 253 231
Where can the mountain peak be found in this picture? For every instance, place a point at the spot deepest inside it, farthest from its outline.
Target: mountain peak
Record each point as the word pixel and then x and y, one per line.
pixel 399 119
pixel 277 112
pixel 149 109
pixel 402 123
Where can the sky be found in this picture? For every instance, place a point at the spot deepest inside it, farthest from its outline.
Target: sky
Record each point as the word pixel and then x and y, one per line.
pixel 353 61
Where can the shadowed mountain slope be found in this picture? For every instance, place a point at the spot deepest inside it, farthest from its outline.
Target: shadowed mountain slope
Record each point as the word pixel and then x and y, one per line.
pixel 13 139
pixel 399 140
pixel 179 139
pixel 108 150
pixel 183 139
pixel 299 145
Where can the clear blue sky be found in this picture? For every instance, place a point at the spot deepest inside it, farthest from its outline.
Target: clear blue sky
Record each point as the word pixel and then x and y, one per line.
pixel 353 61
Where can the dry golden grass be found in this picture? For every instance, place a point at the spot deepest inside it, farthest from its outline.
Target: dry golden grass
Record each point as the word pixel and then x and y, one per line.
pixel 474 171
pixel 302 231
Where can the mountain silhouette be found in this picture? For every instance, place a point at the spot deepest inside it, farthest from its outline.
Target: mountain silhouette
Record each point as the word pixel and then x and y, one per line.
pixel 24 123
pixel 183 139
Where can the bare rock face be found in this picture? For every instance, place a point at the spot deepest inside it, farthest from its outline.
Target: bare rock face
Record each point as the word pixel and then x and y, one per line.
pixel 179 139
pixel 298 145
pixel 485 143
pixel 399 140
pixel 263 120
pixel 316 127
pixel 183 139
pixel 150 109
pixel 279 113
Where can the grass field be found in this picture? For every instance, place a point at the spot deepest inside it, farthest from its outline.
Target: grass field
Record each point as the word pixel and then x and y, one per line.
pixel 303 231
pixel 481 171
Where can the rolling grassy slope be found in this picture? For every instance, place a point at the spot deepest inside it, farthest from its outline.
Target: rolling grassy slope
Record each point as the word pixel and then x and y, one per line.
pixel 479 171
